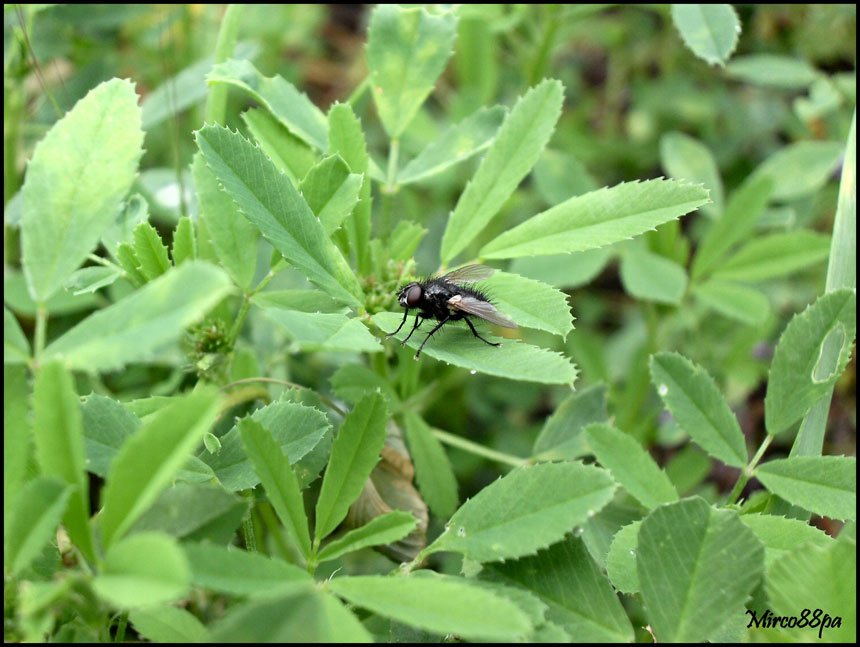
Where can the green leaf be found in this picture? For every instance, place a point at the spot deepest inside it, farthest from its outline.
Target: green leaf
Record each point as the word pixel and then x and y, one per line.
pixel 184 243
pixel 710 30
pixel 145 569
pixel 651 277
pixel 353 381
pixel 737 221
pixel 433 471
pixel 801 168
pixel 354 454
pixel 590 611
pixel 107 425
pixel 559 176
pixel 518 143
pixel 529 509
pixel 457 346
pixel 561 436
pixel 404 240
pixel 150 251
pixel 563 270
pixel 825 485
pixel 128 261
pixel 322 331
pixel 302 300
pixel 775 255
pixel 686 158
pixel 289 153
pixel 696 566
pixel 296 428
pixel 90 279
pixel 33 519
pixel 621 559
pixel 439 605
pixel 75 180
pixel 630 465
pixel 290 107
pixel 407 49
pixel 598 218
pixel 735 300
pixel 384 529
pixel 278 479
pixel 17 432
pixel 331 191
pixel 134 211
pixel 16 348
pixel 58 433
pixel 530 303
pixel 781 535
pixel 691 395
pixel 137 327
pixel 232 236
pixel 458 143
pixel 272 203
pixel 226 569
pixel 151 457
pixel 798 378
pixel 167 624
pixel 774 71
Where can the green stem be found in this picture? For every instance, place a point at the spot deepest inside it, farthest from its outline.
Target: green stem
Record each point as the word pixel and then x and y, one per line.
pixel 479 450
pixel 228 35
pixel 748 471
pixel 121 624
pixel 359 91
pixel 240 319
pixel 41 326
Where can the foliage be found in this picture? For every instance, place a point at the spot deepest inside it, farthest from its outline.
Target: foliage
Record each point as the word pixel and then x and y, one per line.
pixel 210 436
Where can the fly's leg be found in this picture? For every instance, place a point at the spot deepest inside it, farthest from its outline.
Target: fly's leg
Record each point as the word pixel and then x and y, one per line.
pixel 441 323
pixel 391 334
pixel 418 321
pixel 475 332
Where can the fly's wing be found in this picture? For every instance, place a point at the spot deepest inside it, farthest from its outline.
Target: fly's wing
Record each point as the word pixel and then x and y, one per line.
pixel 482 309
pixel 468 274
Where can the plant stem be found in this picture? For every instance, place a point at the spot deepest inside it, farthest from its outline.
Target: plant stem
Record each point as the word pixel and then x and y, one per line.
pixel 360 89
pixel 479 450
pixel 216 103
pixel 41 325
pixel 747 472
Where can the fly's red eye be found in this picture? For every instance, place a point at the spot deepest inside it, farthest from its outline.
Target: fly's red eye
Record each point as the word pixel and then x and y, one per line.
pixel 413 295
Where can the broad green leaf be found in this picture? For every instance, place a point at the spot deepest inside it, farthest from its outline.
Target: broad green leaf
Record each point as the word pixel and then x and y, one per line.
pixel 651 277
pixel 561 436
pixel 168 624
pixel 331 191
pixel 621 559
pixel 798 378
pixel 710 30
pixel 456 345
pixel 407 49
pixel 439 605
pixel 774 255
pixel 150 251
pixel 184 243
pixel 137 327
pixel 59 438
pixel 518 143
pixel 17 298
pixel 530 303
pixel 312 301
pixel 226 569
pixel 232 236
pixel 842 268
pixel 353 381
pixel 384 529
pixel 736 300
pixel 598 531
pixel 346 139
pixel 324 331
pixel 290 107
pixel 686 158
pixel 107 425
pixel 404 240
pixel 560 176
pixel 825 485
pixel 272 203
pixel 128 261
pixel 528 509
pixel 780 534
pixel 33 517
pixel 598 218
pixel 151 457
pixel 817 578
pixel 75 180
pixel 691 395
pixel 297 428
pixel 457 144
pixel 590 611
pixel 734 225
pixel 90 279
pixel 773 71
pixel 433 471
pixel 289 153
pixel 563 270
pixel 16 348
pixel 141 570
pixel 17 431
pixel 134 211
pixel 354 454
pixel 630 465
pixel 801 168
pixel 278 479
pixel 696 566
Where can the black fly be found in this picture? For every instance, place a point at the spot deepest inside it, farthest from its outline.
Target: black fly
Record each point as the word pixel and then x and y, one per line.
pixel 446 298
